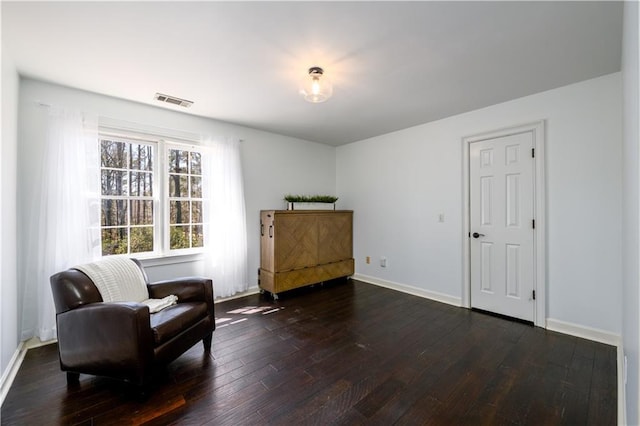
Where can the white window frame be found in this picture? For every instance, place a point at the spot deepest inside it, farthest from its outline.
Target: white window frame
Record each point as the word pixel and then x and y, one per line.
pixel 160 188
pixel 166 146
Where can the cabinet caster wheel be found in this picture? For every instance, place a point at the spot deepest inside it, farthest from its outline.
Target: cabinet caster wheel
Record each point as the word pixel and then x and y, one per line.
pixel 262 291
pixel 275 296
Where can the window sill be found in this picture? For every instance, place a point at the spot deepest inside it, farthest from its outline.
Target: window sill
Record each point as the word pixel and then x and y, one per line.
pixel 171 259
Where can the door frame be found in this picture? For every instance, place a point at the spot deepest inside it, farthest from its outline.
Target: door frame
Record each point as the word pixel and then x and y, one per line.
pixel 540 234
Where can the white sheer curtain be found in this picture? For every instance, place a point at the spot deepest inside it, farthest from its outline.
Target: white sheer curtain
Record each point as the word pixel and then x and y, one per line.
pixel 225 229
pixel 65 213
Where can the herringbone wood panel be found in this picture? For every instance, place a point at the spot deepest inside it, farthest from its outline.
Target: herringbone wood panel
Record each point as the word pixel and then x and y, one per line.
pixel 335 237
pixel 296 238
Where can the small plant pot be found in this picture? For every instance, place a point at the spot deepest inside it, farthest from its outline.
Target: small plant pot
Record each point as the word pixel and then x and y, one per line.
pixel 310 206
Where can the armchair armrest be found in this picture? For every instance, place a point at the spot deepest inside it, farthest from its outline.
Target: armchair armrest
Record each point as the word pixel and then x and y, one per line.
pixel 190 289
pixel 108 339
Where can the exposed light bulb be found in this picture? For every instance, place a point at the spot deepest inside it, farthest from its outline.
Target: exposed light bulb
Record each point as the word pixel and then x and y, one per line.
pixel 316 87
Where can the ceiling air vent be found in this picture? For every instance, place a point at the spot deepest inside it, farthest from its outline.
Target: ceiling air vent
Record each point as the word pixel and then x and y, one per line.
pixel 172 100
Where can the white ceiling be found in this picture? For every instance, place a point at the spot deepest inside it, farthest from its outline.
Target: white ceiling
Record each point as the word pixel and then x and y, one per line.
pixel 393 64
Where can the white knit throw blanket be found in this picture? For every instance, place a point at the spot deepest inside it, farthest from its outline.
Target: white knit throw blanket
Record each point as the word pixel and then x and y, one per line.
pixel 118 279
pixel 156 305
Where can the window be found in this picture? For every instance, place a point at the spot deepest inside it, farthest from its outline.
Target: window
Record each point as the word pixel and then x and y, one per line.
pixel 185 199
pixel 127 214
pixel 151 204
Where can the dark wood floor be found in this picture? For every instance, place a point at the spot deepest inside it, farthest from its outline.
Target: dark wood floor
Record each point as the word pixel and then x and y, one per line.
pixel 346 353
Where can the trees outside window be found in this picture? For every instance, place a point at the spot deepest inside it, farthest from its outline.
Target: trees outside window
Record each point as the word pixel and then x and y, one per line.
pixel 185 199
pixel 138 215
pixel 127 213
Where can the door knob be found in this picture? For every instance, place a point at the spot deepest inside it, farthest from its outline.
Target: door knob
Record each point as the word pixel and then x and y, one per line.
pixel 476 235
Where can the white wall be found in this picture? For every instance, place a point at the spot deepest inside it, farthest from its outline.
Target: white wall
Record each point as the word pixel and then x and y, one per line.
pixel 8 167
pixel 399 183
pixel 273 165
pixel 631 211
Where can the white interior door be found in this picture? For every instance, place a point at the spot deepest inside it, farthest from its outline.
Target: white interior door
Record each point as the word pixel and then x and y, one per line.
pixel 501 190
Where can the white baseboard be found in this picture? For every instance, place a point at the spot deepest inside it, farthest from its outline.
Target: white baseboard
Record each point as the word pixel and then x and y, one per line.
pixel 584 332
pixel 12 369
pixel 250 291
pixel 34 342
pixel 622 396
pixel 433 295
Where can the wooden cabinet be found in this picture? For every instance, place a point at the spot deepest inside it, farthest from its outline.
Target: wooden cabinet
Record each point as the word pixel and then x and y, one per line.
pixel 302 247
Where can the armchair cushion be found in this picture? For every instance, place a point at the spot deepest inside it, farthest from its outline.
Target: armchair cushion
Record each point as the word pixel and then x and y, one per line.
pixel 171 321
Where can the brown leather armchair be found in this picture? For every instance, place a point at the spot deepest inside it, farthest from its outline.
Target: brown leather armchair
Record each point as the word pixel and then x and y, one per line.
pixel 122 340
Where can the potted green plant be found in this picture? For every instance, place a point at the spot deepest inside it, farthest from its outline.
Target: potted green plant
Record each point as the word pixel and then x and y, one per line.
pixel 310 202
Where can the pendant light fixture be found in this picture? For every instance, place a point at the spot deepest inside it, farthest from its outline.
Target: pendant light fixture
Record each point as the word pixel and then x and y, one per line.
pixel 316 87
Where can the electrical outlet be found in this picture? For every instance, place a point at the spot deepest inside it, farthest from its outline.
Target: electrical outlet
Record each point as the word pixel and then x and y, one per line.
pixel 368 260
